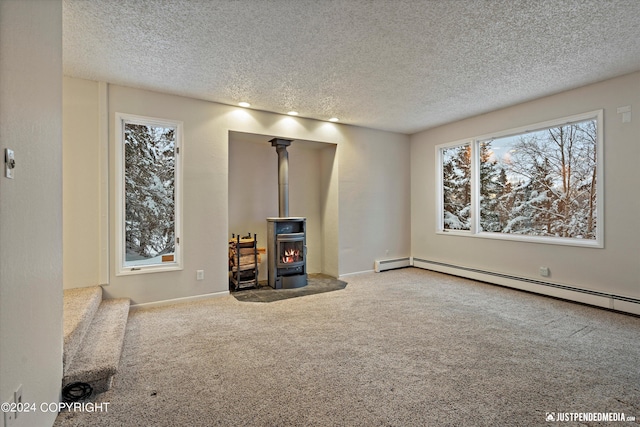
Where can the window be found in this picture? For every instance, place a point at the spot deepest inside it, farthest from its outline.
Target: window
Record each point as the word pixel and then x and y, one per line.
pixel 539 184
pixel 148 194
pixel 456 187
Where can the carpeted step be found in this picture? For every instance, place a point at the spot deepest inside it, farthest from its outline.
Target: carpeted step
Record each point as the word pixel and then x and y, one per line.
pixel 80 305
pixel 96 362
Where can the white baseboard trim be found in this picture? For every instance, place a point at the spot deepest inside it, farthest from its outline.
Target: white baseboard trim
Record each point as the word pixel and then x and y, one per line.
pixel 380 265
pixel 599 299
pixel 178 300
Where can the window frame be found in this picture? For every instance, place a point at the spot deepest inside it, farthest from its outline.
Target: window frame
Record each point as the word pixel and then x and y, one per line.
pixel 474 232
pixel 440 188
pixel 120 120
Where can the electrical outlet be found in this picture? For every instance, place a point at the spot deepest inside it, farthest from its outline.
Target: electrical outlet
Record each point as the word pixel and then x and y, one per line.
pixel 544 271
pixel 200 275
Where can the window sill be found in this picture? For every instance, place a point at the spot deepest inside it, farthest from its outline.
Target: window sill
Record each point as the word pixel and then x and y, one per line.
pixel 562 241
pixel 128 271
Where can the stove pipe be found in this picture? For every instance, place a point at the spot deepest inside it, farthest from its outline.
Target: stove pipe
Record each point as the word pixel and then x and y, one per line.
pixel 283 175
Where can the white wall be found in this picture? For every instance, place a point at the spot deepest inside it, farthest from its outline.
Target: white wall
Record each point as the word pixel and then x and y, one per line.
pixel 364 190
pixel 329 211
pixel 31 204
pixel 614 269
pixel 81 225
pixel 373 194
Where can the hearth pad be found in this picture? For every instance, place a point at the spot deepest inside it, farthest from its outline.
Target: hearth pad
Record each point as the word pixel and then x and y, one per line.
pixel 317 284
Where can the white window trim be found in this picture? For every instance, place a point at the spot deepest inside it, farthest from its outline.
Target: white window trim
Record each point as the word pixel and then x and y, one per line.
pixel 598 242
pixel 440 193
pixel 121 269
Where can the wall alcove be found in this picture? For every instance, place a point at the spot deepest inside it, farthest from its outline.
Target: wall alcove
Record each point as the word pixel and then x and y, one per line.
pixel 253 193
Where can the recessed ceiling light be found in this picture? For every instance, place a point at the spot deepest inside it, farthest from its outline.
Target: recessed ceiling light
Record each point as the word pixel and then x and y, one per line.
pixel 333 119
pixel 292 113
pixel 244 104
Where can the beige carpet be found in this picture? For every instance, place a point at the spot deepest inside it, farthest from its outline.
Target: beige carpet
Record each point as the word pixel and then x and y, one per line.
pixel 80 305
pixel 401 348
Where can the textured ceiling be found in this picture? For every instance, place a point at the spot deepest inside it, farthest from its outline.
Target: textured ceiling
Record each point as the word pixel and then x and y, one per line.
pixel 397 65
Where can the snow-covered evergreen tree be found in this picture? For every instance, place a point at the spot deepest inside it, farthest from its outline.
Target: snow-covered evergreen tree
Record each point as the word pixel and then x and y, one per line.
pixel 456 180
pixel 556 193
pixel 492 186
pixel 149 191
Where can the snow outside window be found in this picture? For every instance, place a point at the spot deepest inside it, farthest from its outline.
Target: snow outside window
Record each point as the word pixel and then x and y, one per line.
pixel 456 187
pixel 539 184
pixel 148 200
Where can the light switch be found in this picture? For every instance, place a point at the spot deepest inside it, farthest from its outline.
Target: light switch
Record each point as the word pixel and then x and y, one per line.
pixel 9 163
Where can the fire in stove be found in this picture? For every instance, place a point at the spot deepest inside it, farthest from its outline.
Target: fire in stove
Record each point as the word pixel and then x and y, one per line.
pixel 290 256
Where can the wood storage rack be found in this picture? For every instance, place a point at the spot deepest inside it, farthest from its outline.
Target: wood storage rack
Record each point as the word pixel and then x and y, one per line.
pixel 243 262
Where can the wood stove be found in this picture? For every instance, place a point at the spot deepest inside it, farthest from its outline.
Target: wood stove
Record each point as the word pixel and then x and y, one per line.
pixel 287 252
pixel 286 236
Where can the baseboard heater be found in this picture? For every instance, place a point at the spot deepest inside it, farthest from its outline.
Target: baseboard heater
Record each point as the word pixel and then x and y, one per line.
pixel 600 299
pixel 391 264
